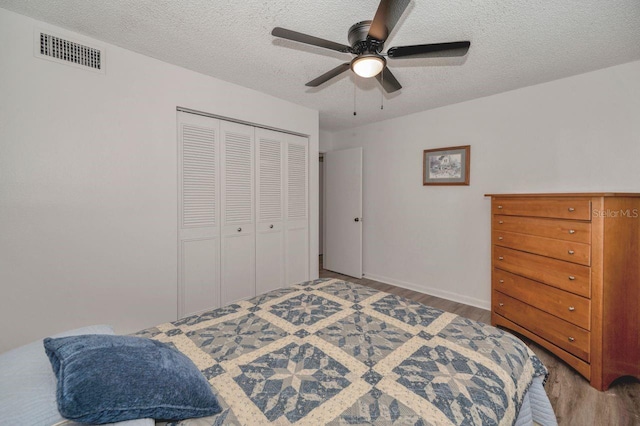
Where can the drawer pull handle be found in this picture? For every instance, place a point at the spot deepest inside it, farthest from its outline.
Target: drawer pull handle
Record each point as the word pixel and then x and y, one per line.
pixel 500 222
pixel 501 304
pixel 572 231
pixel 571 209
pixel 500 207
pixel 571 252
pixel 500 258
pixel 270 226
pixel 572 308
pixel 500 238
pixel 571 278
pixel 239 229
pixel 501 281
pixel 571 339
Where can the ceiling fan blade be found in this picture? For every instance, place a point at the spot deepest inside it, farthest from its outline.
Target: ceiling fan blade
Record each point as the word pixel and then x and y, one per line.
pixel 329 75
pixel 435 50
pixel 307 39
pixel 388 81
pixel 386 18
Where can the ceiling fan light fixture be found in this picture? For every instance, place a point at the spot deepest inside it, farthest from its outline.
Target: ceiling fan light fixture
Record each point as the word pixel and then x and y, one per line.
pixel 366 43
pixel 368 65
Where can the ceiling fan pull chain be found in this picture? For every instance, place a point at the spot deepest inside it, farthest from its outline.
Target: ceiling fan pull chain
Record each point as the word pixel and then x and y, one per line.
pixel 354 98
pixel 381 93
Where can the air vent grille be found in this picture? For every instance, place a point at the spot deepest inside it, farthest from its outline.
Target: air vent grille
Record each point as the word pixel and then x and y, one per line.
pixel 70 52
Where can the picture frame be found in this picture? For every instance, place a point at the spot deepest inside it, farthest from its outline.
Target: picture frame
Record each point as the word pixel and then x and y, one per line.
pixel 446 166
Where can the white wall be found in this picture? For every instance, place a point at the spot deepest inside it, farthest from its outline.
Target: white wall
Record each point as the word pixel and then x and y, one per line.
pixel 577 134
pixel 321 209
pixel 326 141
pixel 325 144
pixel 88 192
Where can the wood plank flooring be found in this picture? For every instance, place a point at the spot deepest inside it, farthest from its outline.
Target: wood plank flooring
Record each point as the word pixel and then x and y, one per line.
pixel 574 401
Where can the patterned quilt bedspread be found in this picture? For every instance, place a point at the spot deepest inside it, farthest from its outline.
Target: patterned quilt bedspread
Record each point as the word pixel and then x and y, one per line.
pixel 333 352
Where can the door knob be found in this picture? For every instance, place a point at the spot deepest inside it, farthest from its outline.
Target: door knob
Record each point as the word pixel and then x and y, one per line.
pixel 357 219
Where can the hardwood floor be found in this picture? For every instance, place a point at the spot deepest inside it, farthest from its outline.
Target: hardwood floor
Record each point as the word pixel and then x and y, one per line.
pixel 574 401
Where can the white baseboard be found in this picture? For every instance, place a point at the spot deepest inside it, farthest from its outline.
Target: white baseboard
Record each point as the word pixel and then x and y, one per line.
pixel 455 297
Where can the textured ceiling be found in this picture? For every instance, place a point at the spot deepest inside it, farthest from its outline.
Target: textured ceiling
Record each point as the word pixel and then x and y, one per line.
pixel 514 43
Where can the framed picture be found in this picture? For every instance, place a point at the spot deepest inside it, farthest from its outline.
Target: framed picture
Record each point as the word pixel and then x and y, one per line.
pixel 446 166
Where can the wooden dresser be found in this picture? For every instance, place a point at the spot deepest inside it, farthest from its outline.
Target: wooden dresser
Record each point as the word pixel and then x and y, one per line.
pixel 566 274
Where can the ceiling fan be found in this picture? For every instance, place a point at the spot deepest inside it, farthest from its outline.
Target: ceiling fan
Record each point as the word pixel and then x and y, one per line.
pixel 367 42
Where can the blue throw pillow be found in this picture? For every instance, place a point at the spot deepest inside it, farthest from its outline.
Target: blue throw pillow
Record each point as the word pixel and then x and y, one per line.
pixel 106 379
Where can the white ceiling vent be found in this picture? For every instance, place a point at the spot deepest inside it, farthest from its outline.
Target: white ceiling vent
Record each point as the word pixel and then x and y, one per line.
pixel 69 52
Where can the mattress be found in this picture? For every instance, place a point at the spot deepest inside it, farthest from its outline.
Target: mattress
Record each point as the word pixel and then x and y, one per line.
pixel 333 352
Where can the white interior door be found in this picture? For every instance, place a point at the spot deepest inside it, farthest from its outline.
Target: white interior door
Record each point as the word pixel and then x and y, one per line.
pixel 297 209
pixel 199 213
pixel 269 212
pixel 238 218
pixel 343 211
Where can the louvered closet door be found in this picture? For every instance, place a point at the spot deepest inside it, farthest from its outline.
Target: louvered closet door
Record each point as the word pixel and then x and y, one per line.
pixel 238 215
pixel 199 213
pixel 269 210
pixel 297 209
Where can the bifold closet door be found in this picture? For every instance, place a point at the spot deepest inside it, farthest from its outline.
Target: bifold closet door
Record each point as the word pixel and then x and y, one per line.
pixel 270 264
pixel 297 209
pixel 199 213
pixel 243 212
pixel 238 213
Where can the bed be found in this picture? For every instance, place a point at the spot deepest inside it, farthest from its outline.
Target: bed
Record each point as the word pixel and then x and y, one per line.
pixel 334 352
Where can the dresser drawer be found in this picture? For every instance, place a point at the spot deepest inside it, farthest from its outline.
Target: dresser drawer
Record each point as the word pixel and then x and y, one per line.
pixel 561 208
pixel 567 306
pixel 563 334
pixel 579 232
pixel 549 247
pixel 557 273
